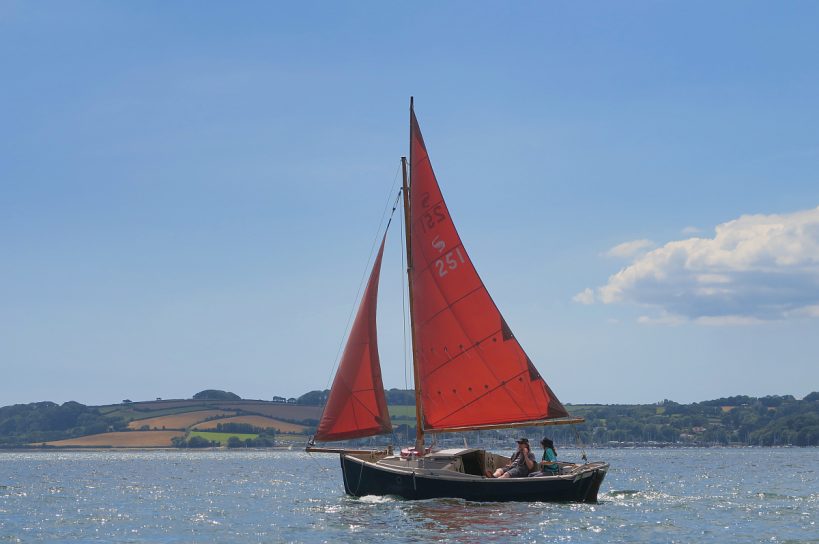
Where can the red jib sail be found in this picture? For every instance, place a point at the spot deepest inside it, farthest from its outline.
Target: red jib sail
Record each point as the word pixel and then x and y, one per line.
pixel 473 371
pixel 357 406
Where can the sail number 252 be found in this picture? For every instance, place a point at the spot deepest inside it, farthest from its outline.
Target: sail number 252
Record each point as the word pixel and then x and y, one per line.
pixel 432 217
pixel 449 261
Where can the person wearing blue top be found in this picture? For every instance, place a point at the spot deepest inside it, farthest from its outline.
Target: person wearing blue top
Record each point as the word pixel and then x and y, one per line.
pixel 548 465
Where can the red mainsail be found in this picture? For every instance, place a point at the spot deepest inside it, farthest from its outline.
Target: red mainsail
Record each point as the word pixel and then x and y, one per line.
pixel 357 406
pixel 473 371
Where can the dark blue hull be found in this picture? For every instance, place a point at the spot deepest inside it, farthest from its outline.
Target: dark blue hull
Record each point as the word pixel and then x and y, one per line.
pixel 368 478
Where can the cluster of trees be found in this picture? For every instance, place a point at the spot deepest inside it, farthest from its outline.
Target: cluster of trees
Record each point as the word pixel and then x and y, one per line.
pixel 242 428
pixel 216 394
pixel 46 421
pixel 265 440
pixel 396 397
pixel 193 442
pixel 314 398
pixel 261 441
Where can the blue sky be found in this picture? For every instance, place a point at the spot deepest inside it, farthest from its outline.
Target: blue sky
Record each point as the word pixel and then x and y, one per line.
pixel 189 191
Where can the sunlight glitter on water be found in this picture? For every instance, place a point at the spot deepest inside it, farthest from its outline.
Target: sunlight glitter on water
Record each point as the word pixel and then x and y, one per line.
pixel 262 496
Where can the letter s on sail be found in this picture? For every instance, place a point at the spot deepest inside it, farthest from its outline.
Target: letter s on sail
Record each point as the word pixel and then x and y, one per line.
pixel 438 244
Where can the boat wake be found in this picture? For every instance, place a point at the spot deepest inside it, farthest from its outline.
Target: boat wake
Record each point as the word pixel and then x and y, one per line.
pixel 376 499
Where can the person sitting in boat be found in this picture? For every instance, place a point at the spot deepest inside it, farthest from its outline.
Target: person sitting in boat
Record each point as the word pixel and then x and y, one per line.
pixel 548 465
pixel 522 463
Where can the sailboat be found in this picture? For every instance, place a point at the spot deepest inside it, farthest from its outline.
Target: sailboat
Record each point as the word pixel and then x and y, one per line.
pixel 470 373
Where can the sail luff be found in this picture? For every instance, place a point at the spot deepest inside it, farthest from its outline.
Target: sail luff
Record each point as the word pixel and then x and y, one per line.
pixel 357 406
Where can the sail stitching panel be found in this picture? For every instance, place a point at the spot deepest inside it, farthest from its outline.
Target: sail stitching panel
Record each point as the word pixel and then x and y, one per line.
pixel 448 307
pixel 473 401
pixel 363 405
pixel 501 382
pixel 464 352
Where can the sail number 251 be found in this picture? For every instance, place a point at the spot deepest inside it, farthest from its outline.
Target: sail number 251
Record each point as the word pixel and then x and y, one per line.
pixel 449 261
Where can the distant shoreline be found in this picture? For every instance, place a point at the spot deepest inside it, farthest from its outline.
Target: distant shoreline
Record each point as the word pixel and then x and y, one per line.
pixel 6 449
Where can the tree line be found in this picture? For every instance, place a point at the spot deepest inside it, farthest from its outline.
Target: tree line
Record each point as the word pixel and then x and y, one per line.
pixel 39 422
pixel 773 420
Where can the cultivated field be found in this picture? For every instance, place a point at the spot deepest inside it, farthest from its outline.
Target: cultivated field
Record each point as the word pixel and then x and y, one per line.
pixel 137 411
pixel 151 405
pixel 221 438
pixel 261 422
pixel 178 421
pixel 402 414
pixel 143 410
pixel 291 439
pixel 133 439
pixel 280 411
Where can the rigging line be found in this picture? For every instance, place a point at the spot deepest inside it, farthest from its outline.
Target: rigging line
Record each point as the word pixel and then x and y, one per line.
pixel 404 303
pixel 363 277
pixel 360 474
pixel 321 468
pixel 579 442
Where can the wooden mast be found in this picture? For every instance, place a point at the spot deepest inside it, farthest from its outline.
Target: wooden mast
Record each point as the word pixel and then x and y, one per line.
pixel 419 427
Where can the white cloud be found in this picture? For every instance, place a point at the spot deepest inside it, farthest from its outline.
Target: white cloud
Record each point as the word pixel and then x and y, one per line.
pixel 691 230
pixel 806 311
pixel 627 250
pixel 755 268
pixel 723 320
pixel 586 296
pixel 663 319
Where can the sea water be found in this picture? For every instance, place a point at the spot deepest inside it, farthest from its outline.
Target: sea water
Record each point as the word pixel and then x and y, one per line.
pixel 649 495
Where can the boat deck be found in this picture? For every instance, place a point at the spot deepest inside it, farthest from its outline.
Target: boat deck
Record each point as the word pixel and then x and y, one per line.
pixel 461 464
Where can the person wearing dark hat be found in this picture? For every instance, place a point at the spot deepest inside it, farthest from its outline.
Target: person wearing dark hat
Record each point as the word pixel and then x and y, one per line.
pixel 522 463
pixel 548 465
